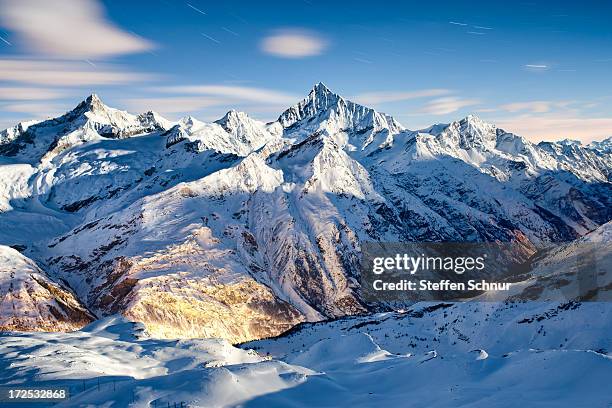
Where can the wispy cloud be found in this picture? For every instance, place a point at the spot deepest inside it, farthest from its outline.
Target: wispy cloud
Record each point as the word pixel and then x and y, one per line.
pixel 373 98
pixel 558 127
pixel 173 104
pixel 34 109
pixel 67 29
pixel 212 99
pixel 293 43
pixel 533 106
pixel 457 23
pixel 446 105
pixel 29 94
pixel 66 73
pixel 542 106
pixel 235 93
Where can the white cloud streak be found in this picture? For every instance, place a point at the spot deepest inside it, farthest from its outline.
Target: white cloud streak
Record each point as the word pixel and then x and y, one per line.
pixel 540 106
pixel 65 73
pixel 40 110
pixel 533 106
pixel 446 105
pixel 234 93
pixel 373 98
pixel 173 104
pixel 28 94
pixel 67 29
pixel 196 98
pixel 293 43
pixel 558 127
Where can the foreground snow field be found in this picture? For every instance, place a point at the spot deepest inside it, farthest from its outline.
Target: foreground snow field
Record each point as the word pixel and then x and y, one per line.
pixel 432 355
pixel 112 363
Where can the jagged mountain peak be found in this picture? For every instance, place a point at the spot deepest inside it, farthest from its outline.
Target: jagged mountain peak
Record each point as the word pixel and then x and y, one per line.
pixel 88 121
pixel 154 121
pixel 242 126
pixel 326 112
pixel 320 89
pixel 234 133
pixel 470 132
pixel 93 98
pixel 604 146
pixel 93 103
pixel 474 120
pixel 190 123
pixel 92 110
pixel 232 118
pixel 570 142
pixel 319 100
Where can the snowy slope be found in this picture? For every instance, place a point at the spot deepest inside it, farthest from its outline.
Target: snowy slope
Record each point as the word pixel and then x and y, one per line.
pixel 113 363
pixel 30 300
pixel 235 133
pixel 448 355
pixel 245 228
pixel 434 354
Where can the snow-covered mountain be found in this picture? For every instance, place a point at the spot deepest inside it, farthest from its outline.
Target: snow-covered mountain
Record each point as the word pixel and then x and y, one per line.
pixel 235 133
pixel 602 146
pixel 241 229
pixel 89 121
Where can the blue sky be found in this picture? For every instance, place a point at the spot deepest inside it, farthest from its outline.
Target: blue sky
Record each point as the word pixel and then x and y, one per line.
pixel 537 68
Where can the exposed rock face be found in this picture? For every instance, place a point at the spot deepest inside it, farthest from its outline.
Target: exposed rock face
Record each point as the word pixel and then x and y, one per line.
pixel 580 270
pixel 241 229
pixel 31 301
pixel 185 291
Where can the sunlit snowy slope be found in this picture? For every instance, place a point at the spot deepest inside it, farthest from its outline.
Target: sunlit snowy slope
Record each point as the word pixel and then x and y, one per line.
pixel 113 363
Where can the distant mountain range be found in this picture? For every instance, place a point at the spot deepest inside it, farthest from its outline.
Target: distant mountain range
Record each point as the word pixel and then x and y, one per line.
pixel 242 229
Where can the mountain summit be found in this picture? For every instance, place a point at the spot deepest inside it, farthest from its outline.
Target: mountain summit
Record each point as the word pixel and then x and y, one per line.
pixel 327 113
pixel 90 120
